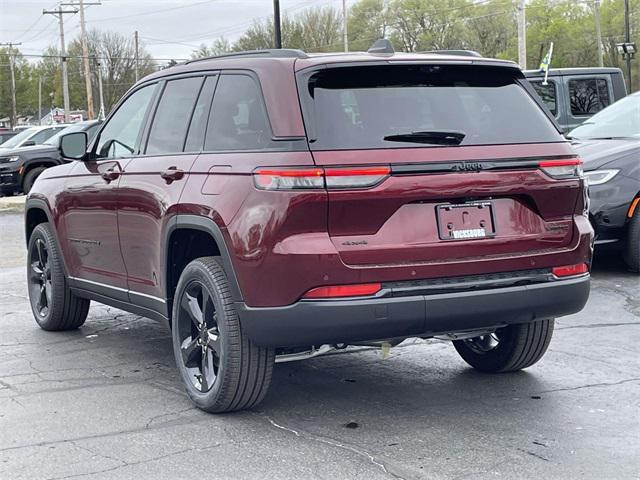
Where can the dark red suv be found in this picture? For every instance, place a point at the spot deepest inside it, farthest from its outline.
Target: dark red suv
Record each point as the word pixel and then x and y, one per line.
pixel 273 205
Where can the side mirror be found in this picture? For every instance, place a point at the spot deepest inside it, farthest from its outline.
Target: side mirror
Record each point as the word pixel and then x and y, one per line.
pixel 29 143
pixel 74 145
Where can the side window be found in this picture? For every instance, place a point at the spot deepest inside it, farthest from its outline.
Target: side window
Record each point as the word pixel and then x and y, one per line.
pixel 238 120
pixel 198 125
pixel 588 95
pixel 119 136
pixel 43 135
pixel 548 94
pixel 171 120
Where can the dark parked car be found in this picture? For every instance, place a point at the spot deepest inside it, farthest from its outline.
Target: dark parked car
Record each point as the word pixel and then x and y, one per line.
pixel 609 144
pixel 6 135
pixel 20 167
pixel 575 94
pixel 272 205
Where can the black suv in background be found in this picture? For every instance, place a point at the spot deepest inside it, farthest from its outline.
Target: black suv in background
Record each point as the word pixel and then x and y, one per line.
pixel 575 94
pixel 20 167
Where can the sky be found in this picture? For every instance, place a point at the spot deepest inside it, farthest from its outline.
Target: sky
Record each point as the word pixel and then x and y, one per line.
pixel 168 28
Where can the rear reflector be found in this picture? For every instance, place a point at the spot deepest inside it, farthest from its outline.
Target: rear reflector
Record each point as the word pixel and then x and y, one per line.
pixel 570 270
pixel 337 291
pixel 315 178
pixel 565 168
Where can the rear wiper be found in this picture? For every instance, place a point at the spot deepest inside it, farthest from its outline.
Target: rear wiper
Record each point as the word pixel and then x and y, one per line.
pixel 434 137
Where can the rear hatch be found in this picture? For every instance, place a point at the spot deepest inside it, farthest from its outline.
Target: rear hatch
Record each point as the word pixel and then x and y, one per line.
pixel 437 163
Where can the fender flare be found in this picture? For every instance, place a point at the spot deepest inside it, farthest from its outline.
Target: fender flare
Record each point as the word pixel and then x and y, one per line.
pixel 40 204
pixel 207 225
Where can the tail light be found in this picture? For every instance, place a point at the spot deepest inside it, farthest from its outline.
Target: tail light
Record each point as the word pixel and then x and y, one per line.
pixel 566 168
pixel 337 291
pixel 570 270
pixel 355 177
pixel 288 178
pixel 316 178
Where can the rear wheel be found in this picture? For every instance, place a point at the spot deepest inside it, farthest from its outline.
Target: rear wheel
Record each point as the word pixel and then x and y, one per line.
pixel 30 178
pixel 222 370
pixel 632 247
pixel 54 306
pixel 507 349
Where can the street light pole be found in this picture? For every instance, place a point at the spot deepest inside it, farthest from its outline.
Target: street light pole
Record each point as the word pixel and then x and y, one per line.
pixel 276 24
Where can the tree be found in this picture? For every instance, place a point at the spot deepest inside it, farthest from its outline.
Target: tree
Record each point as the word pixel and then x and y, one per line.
pixel 369 20
pixel 218 47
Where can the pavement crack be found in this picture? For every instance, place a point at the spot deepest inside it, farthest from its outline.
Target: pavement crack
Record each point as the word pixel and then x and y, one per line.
pixel 327 441
pixel 599 325
pixel 592 385
pixel 125 464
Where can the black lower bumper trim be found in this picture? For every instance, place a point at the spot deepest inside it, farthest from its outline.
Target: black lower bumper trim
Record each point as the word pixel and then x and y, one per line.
pixel 343 321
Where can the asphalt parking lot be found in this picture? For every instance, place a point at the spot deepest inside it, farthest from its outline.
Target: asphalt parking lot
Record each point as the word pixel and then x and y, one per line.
pixel 105 402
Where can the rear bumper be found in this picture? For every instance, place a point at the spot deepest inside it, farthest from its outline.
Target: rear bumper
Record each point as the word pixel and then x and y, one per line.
pixel 308 323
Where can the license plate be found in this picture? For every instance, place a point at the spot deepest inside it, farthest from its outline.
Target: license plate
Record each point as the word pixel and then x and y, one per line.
pixel 466 221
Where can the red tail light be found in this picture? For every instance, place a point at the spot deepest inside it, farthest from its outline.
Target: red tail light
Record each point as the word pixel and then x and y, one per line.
pixel 315 178
pixel 565 168
pixel 570 270
pixel 288 178
pixel 336 291
pixel 358 177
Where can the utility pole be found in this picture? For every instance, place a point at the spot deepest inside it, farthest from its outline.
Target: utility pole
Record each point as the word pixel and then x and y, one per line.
pixel 627 39
pixel 85 54
pixel 344 26
pixel 522 35
pixel 101 113
pixel 276 24
pixel 12 68
pixel 60 13
pixel 40 100
pixel 135 36
pixel 596 15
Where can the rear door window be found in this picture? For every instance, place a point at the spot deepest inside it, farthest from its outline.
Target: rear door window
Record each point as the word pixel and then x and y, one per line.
pixel 588 95
pixel 548 93
pixel 238 120
pixel 171 120
pixel 420 105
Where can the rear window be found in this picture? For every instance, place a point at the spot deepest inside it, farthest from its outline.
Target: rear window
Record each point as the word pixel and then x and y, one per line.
pixel 425 105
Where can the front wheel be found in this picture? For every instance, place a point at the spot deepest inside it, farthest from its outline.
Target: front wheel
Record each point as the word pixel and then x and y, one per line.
pixel 222 370
pixel 507 349
pixel 53 304
pixel 632 247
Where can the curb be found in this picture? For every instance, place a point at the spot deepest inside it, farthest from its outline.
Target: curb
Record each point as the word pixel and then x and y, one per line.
pixel 12 204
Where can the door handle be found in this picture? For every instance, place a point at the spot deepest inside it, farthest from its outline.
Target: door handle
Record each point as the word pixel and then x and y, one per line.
pixel 110 175
pixel 171 174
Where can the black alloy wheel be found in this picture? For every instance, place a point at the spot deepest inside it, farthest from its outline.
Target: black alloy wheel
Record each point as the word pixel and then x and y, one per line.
pixel 199 336
pixel 40 288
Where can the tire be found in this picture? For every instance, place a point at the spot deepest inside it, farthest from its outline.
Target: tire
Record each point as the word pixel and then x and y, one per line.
pixel 632 247
pixel 48 285
pixel 236 373
pixel 509 349
pixel 30 178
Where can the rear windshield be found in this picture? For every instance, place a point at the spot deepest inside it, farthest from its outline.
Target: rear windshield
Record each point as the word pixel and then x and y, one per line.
pixel 420 105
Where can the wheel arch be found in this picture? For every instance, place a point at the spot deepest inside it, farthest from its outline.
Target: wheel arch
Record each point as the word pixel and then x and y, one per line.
pixel 206 239
pixel 37 211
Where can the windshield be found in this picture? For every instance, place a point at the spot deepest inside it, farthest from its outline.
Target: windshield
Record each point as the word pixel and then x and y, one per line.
pixel 13 142
pixel 421 105
pixel 620 120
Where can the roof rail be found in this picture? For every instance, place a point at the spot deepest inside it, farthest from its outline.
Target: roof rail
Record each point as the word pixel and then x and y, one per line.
pixel 268 52
pixel 461 53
